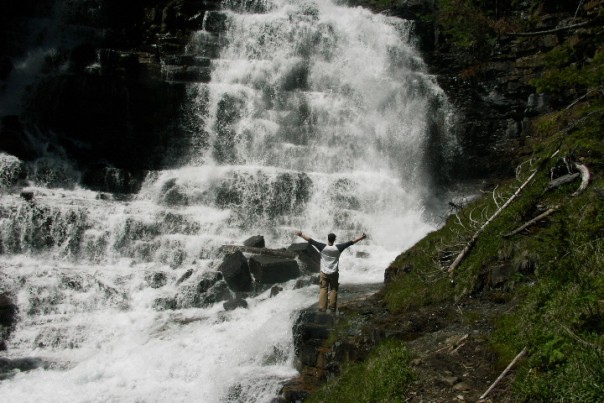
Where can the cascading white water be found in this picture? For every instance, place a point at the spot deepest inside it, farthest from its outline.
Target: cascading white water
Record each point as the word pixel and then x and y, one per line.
pixel 316 119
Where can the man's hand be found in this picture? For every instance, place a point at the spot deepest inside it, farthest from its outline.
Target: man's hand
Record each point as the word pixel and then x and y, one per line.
pixel 301 235
pixel 360 238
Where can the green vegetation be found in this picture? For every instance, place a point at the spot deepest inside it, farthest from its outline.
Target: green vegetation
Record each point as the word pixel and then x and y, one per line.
pixel 383 377
pixel 565 72
pixel 469 24
pixel 557 265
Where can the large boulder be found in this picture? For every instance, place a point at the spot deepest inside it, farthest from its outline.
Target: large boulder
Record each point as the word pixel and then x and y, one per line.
pixel 11 367
pixel 12 170
pixel 271 270
pixel 8 311
pixel 234 304
pixel 256 241
pixel 201 291
pixel 156 279
pixel 308 255
pixel 236 272
pixel 112 180
pixel 311 329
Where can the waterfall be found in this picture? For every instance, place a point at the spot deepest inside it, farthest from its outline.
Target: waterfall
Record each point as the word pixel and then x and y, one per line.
pixel 317 117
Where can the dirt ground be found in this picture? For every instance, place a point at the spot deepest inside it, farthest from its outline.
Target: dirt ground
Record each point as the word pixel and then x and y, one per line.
pixel 453 360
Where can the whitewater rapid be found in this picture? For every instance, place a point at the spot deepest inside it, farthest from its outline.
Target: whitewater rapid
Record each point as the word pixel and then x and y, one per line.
pixel 316 118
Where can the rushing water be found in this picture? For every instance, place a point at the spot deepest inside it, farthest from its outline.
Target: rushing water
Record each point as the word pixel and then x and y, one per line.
pixel 316 118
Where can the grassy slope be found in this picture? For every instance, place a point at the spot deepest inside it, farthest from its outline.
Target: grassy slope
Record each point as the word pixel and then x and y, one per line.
pixel 558 264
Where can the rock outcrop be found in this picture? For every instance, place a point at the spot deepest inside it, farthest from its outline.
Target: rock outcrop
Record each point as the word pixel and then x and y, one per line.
pixel 112 91
pixel 236 272
pixel 8 311
pixel 271 270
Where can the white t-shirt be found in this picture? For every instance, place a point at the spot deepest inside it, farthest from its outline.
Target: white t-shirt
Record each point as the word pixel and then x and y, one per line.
pixel 330 255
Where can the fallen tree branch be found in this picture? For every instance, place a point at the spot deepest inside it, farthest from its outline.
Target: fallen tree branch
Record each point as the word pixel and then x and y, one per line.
pixel 577 338
pixel 582 97
pixel 531 222
pixel 585 177
pixel 562 180
pixel 505 371
pixel 550 31
pixel 474 238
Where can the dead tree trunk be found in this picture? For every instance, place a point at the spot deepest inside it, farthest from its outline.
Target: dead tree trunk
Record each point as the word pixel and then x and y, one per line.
pixel 474 238
pixel 531 222
pixel 585 177
pixel 505 371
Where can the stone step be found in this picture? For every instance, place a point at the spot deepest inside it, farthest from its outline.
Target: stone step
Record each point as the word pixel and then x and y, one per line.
pixel 187 74
pixel 186 60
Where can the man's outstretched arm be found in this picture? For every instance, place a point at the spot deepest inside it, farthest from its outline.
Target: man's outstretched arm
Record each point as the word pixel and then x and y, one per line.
pixel 301 235
pixel 318 245
pixel 359 238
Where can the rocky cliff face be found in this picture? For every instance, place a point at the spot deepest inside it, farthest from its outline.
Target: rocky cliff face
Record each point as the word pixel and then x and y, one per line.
pixel 101 83
pixel 492 85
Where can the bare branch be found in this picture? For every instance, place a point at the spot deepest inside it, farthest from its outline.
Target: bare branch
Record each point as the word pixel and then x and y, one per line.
pixel 474 238
pixel 494 198
pixel 577 338
pixel 561 181
pixel 505 371
pixel 585 177
pixel 531 222
pixel 550 31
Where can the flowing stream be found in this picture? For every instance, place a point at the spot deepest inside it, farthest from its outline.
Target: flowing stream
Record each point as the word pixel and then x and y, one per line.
pixel 316 118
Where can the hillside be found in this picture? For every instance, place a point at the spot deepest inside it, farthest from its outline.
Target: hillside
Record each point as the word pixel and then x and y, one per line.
pixel 527 80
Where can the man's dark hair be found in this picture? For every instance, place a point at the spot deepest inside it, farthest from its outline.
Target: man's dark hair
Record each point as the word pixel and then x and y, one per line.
pixel 331 237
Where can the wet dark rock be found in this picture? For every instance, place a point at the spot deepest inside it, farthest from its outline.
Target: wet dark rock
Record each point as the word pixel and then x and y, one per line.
pixel 11 367
pixel 52 173
pixel 208 280
pixel 275 290
pixel 234 304
pixel 173 254
pixel 112 180
pixel 45 227
pixel 218 292
pixel 134 230
pixel 311 331
pixel 256 241
pixel 156 279
pixel 202 291
pixel 173 194
pixel 8 312
pixel 27 195
pixel 187 74
pixel 208 289
pixel 185 276
pixel 165 303
pixel 236 271
pixel 12 171
pixel 270 197
pixel 215 22
pixel 306 281
pixel 102 93
pixel 308 255
pixel 174 223
pixel 271 270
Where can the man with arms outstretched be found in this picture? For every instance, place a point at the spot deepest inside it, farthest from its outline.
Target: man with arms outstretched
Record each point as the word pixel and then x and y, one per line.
pixel 330 259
